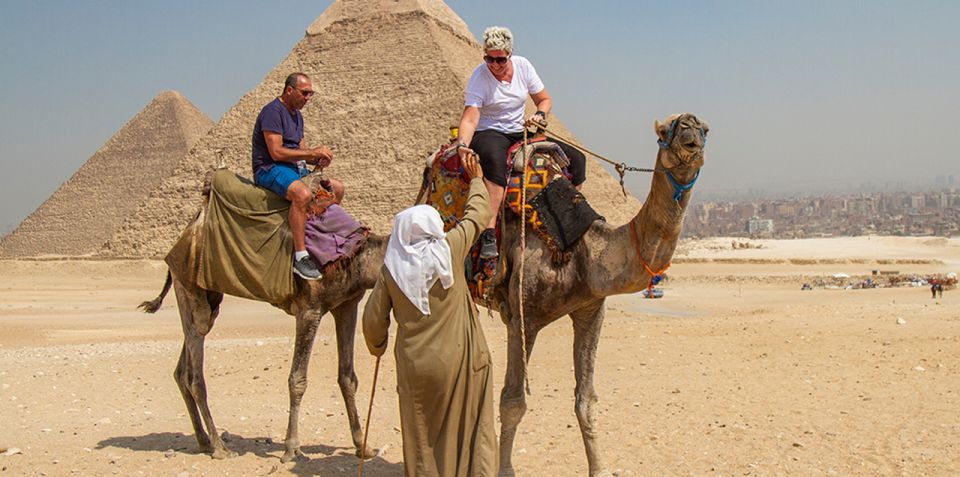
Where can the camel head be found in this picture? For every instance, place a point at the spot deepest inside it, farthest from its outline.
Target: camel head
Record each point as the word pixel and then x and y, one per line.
pixel 682 137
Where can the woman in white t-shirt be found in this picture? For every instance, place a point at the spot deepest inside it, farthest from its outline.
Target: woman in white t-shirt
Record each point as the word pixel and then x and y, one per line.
pixel 492 119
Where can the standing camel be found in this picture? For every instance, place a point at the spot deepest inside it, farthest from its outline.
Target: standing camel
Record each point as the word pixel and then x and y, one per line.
pixel 339 292
pixel 607 261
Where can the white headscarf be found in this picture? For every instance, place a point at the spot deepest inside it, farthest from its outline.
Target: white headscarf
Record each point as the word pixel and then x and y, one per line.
pixel 418 254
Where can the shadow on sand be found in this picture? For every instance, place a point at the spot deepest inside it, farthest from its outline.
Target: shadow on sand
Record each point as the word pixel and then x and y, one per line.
pixel 320 460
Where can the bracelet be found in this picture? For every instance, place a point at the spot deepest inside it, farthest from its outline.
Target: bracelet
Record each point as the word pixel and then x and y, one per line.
pixel 540 113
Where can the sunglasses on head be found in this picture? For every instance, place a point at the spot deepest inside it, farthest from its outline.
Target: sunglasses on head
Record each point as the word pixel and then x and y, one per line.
pixel 496 59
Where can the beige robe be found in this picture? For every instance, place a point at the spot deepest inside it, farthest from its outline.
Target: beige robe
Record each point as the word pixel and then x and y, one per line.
pixel 443 364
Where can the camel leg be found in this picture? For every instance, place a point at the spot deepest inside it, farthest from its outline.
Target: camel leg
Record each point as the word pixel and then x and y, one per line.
pixel 197 317
pixel 513 404
pixel 346 321
pixel 586 335
pixel 181 376
pixel 307 323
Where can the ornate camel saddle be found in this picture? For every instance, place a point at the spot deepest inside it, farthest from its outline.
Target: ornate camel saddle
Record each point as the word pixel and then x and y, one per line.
pixel 558 213
pixel 247 248
pixel 555 210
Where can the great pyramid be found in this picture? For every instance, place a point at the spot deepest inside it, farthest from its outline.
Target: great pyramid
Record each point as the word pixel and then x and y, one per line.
pixel 390 77
pixel 89 207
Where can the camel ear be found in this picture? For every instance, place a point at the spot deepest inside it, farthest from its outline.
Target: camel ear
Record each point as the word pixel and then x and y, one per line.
pixel 661 129
pixel 705 127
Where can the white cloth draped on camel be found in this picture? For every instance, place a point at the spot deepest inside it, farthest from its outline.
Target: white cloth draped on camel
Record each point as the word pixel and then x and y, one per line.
pixel 443 363
pixel 417 254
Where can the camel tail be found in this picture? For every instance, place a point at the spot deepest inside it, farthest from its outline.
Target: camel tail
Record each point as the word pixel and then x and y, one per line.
pixel 153 305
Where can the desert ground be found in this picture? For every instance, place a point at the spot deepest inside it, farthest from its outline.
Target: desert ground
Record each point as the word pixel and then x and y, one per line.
pixel 735 371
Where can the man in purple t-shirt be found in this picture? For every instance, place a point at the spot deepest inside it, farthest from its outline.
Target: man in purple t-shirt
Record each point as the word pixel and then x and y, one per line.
pixel 278 155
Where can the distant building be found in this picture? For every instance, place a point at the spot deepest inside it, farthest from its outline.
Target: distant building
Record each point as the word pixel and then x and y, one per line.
pixel 758 226
pixel 916 201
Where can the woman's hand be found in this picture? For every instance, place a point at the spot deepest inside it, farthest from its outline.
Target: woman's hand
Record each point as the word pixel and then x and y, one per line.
pixel 464 151
pixel 539 119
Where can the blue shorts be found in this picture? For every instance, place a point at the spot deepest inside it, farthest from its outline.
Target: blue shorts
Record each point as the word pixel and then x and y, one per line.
pixel 278 178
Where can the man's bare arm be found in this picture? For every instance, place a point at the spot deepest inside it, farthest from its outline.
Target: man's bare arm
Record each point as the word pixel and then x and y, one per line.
pixel 284 154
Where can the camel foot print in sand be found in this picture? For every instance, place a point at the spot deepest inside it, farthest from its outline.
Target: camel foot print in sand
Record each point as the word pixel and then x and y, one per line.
pixel 297 455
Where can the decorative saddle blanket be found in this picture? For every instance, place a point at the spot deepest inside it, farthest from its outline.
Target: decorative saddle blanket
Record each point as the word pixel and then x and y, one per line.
pixel 558 213
pixel 445 186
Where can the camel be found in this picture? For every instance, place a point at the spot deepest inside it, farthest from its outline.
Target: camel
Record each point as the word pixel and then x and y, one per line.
pixel 607 261
pixel 339 292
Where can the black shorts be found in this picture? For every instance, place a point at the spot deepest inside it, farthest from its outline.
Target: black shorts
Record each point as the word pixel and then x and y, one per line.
pixel 492 146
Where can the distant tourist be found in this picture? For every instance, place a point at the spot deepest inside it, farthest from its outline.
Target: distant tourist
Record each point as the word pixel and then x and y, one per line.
pixel 279 161
pixel 933 288
pixel 492 119
pixel 443 364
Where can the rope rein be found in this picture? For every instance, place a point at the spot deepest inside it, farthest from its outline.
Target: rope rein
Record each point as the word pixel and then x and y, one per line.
pixel 621 167
pixel 523 249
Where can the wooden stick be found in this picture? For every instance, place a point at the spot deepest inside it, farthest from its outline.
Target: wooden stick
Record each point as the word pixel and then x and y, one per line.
pixel 366 428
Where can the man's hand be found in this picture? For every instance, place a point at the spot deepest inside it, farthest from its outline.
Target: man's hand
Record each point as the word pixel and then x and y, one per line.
pixel 471 165
pixel 323 155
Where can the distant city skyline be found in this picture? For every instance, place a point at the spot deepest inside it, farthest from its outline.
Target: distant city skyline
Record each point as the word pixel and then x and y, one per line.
pixel 810 95
pixel 934 213
pixel 784 191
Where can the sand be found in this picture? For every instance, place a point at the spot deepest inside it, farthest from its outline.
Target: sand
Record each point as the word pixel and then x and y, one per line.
pixel 736 371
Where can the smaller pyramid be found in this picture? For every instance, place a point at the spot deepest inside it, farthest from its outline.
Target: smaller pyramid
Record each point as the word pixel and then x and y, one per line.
pixel 87 209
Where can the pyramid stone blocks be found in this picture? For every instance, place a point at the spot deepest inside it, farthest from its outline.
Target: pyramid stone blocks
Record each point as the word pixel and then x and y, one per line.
pixel 88 208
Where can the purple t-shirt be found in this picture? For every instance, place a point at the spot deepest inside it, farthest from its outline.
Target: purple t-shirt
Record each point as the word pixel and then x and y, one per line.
pixel 275 117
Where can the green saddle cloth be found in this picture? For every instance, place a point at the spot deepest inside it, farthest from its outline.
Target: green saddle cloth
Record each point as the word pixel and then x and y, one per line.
pixel 246 249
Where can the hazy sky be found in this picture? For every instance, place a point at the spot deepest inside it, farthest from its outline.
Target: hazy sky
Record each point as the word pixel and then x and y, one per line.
pixel 799 94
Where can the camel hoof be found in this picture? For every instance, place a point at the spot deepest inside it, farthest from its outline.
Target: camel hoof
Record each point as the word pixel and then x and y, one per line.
pixel 293 455
pixel 223 453
pixel 369 454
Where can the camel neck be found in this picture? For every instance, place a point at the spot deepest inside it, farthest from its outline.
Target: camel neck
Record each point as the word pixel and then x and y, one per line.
pixel 658 224
pixel 663 211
